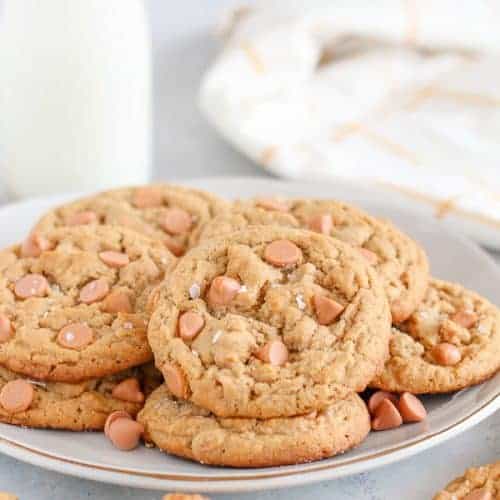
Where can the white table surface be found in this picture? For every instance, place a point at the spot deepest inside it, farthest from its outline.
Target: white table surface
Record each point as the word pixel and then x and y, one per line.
pixel 186 147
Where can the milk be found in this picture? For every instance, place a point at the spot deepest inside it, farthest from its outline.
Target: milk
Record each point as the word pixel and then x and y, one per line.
pixel 75 95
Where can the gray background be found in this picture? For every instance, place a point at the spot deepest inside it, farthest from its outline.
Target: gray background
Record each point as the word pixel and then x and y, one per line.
pixel 185 146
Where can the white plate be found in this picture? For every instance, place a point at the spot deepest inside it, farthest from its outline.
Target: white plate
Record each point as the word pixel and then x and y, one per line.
pixel 89 455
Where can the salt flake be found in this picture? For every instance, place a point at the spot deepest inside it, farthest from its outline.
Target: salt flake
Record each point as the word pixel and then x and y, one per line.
pixel 37 382
pixel 69 336
pixel 481 329
pixel 299 299
pixel 194 291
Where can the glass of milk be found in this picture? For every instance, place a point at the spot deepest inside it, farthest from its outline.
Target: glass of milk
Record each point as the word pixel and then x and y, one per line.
pixel 75 95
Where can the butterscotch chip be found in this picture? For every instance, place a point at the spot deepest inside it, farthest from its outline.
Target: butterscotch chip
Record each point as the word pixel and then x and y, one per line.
pixel 432 353
pixel 77 407
pixel 222 291
pixel 272 204
pixel 94 291
pixel 478 483
pixel 129 390
pixel 176 248
pixel 181 428
pixel 81 218
pixel 400 261
pixel 263 353
pixel 446 354
pixel 34 245
pixel 114 259
pixel 274 352
pixel 282 253
pixel 386 416
pixel 171 214
pixel 190 325
pixel 175 380
pixel 411 408
pixel 176 221
pixel 16 395
pixel 125 433
pixel 75 336
pixel 117 301
pixel 31 285
pixel 467 319
pixel 321 223
pixel 67 323
pixel 112 417
pixel 377 397
pixel 147 197
pixel 327 310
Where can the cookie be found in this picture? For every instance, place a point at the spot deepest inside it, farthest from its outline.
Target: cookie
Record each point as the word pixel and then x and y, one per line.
pixel 77 309
pixel 450 342
pixel 401 262
pixel 75 407
pixel 172 214
pixel 480 483
pixel 269 322
pixel 181 428
pixel 8 496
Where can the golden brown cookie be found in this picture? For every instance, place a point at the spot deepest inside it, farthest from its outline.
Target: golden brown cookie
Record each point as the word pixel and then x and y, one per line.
pixel 479 483
pixel 172 214
pixel 269 322
pixel 401 262
pixel 450 342
pixel 78 309
pixel 181 428
pixel 76 407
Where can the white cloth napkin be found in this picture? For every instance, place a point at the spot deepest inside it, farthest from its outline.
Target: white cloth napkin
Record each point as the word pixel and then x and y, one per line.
pixel 402 92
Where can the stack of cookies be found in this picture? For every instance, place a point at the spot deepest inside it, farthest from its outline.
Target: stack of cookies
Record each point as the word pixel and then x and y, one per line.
pixel 266 318
pixel 74 305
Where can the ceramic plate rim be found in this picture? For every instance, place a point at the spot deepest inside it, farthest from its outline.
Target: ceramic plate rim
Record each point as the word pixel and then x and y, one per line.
pixel 220 484
pixel 263 480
